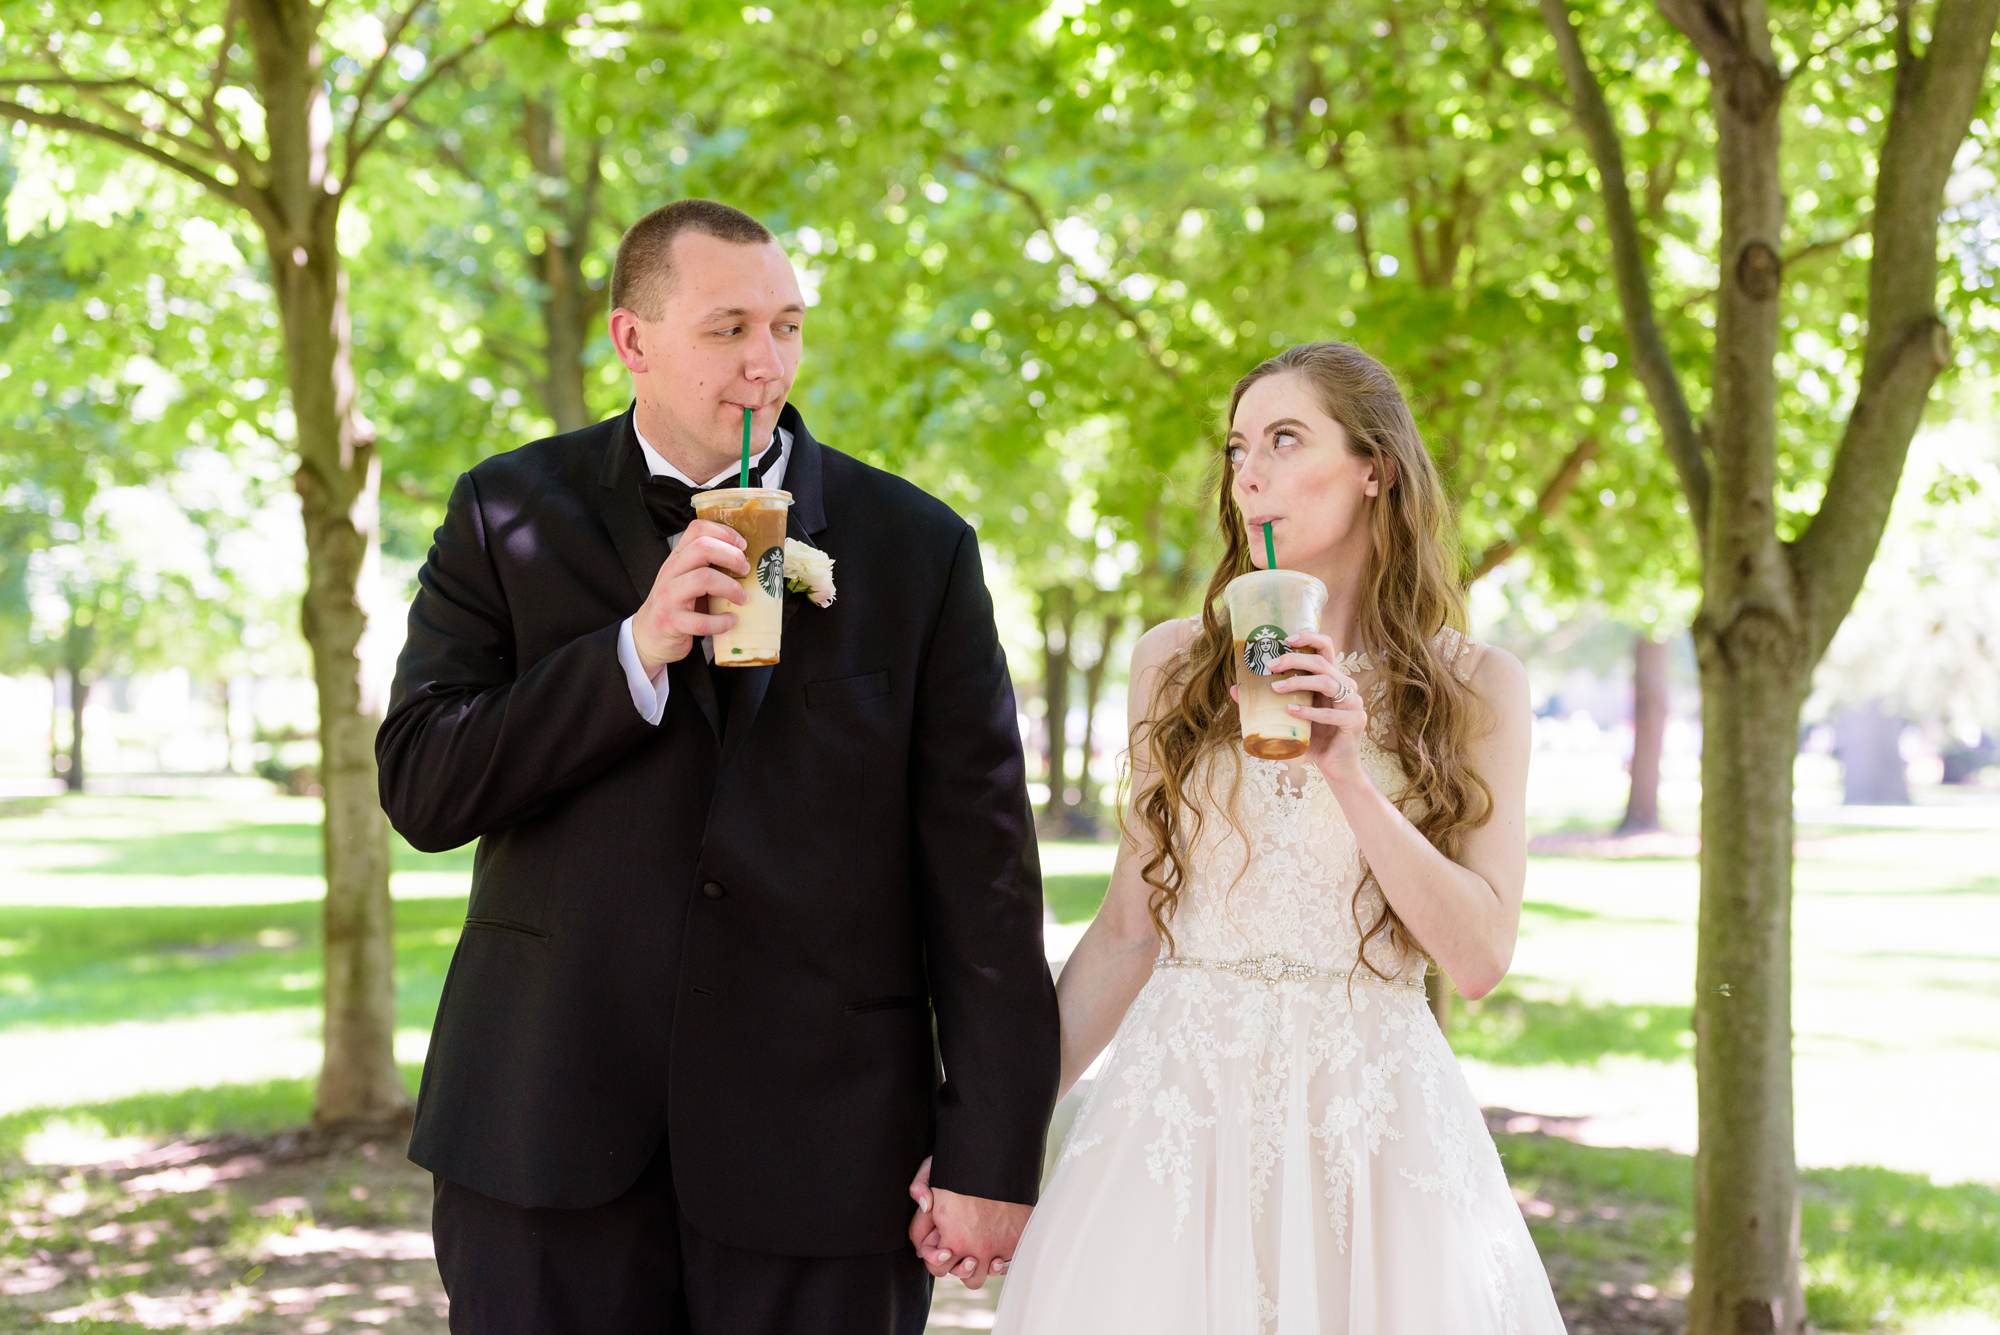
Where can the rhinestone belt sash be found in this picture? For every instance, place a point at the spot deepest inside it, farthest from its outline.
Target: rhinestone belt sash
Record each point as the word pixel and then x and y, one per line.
pixel 1282 969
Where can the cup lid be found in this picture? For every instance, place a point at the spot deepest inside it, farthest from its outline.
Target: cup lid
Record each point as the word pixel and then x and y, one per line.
pixel 729 498
pixel 1267 582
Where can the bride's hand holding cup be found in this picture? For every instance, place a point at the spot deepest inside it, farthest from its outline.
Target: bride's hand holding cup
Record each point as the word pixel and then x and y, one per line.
pixel 1328 699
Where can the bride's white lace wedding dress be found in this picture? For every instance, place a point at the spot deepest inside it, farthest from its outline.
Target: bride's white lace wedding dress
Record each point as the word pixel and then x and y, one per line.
pixel 1278 1141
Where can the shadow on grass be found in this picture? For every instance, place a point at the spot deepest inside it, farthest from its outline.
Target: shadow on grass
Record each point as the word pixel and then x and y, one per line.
pixel 1508 1029
pixel 98 966
pixel 258 1109
pixel 240 850
pixel 1877 1246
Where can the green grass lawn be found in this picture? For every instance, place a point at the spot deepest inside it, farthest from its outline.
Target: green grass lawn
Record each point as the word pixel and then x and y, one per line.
pixel 1877 1247
pixel 64 966
pixel 1897 1003
pixel 1613 1225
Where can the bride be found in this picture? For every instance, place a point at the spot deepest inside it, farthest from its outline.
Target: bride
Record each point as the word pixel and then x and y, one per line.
pixel 1280 1139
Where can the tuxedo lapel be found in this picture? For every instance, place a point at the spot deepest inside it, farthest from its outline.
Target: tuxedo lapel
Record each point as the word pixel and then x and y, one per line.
pixel 698 678
pixel 643 551
pixel 746 696
pixel 639 543
pixel 803 476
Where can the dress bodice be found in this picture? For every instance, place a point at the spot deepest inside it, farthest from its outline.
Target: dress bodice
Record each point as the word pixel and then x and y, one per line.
pixel 1285 876
pixel 1275 869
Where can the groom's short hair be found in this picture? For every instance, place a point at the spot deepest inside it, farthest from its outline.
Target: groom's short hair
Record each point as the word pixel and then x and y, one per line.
pixel 642 277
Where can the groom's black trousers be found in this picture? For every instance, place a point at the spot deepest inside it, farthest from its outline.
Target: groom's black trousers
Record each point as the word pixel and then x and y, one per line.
pixel 635 1266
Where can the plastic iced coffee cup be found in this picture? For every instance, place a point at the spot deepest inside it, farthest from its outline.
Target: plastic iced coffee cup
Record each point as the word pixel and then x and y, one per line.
pixel 758 513
pixel 1266 608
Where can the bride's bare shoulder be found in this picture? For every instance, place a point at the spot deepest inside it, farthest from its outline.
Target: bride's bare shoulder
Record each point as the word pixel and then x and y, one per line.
pixel 1158 645
pixel 1497 675
pixel 1152 663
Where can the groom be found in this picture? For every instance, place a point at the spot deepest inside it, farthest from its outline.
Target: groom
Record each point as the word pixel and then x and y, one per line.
pixel 745 943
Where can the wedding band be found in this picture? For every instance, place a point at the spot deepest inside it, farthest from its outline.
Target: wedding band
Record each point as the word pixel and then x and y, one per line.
pixel 1340 694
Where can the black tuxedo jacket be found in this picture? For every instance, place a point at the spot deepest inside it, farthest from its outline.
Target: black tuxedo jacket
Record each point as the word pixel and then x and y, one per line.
pixel 804 947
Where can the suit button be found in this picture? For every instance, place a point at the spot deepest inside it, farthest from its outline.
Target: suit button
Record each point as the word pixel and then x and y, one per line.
pixel 713 889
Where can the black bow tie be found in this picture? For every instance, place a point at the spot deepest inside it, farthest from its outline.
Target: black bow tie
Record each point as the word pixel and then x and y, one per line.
pixel 671 501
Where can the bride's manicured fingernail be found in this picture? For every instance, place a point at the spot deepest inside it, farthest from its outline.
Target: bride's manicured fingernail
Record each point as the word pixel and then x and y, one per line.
pixel 924 1203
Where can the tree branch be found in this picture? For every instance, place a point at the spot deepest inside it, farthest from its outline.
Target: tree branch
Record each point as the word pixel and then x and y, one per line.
pixel 1554 492
pixel 59 81
pixel 1703 26
pixel 1336 158
pixel 403 99
pixel 140 125
pixel 78 125
pixel 1834 44
pixel 1808 252
pixel 593 183
pixel 1108 295
pixel 1651 363
pixel 1496 52
pixel 1907 345
pixel 216 75
pixel 373 77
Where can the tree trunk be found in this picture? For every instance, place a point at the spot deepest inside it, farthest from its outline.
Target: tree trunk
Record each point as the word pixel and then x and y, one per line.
pixel 570 306
pixel 1058 617
pixel 1869 742
pixel 1769 607
pixel 77 653
pixel 73 780
pixel 338 479
pixel 1649 734
pixel 1746 1182
pixel 55 723
pixel 1752 644
pixel 225 701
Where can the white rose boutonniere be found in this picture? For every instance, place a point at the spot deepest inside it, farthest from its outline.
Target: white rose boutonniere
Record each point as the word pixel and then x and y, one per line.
pixel 809 570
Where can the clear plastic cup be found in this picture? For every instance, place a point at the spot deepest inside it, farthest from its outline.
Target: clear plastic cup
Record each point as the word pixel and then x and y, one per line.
pixel 758 513
pixel 1266 608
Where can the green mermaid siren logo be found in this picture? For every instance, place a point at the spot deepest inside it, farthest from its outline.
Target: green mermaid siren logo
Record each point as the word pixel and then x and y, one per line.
pixel 1263 647
pixel 771 570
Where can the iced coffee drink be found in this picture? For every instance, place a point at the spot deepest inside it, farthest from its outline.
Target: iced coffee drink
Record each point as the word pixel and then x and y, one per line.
pixel 1266 608
pixel 758 513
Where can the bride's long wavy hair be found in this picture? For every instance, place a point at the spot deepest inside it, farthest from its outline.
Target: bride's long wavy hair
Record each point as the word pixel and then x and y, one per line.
pixel 1412 597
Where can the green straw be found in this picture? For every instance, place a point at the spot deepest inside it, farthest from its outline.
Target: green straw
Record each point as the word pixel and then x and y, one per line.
pixel 743 476
pixel 1270 549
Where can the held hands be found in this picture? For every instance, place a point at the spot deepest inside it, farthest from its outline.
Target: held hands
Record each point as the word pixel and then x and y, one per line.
pixel 676 612
pixel 1327 699
pixel 966 1237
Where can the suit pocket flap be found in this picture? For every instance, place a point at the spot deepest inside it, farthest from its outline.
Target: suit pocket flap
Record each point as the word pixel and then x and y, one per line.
pixel 847 688
pixel 506 925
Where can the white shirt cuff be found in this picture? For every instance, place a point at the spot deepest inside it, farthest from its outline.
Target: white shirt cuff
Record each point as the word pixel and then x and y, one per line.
pixel 649 694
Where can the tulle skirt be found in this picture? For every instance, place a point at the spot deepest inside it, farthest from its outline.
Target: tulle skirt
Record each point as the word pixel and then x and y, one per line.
pixel 1287 1158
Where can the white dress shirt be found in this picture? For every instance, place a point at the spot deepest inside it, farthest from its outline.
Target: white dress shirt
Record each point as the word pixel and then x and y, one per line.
pixel 649 694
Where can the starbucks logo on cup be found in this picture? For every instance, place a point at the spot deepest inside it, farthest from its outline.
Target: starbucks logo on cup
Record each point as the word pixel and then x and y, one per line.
pixel 771 570
pixel 1263 647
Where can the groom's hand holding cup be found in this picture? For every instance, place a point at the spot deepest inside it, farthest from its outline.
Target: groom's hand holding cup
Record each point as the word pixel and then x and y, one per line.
pixel 706 563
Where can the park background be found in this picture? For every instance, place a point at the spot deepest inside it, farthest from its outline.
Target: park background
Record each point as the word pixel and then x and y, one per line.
pixel 1040 242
